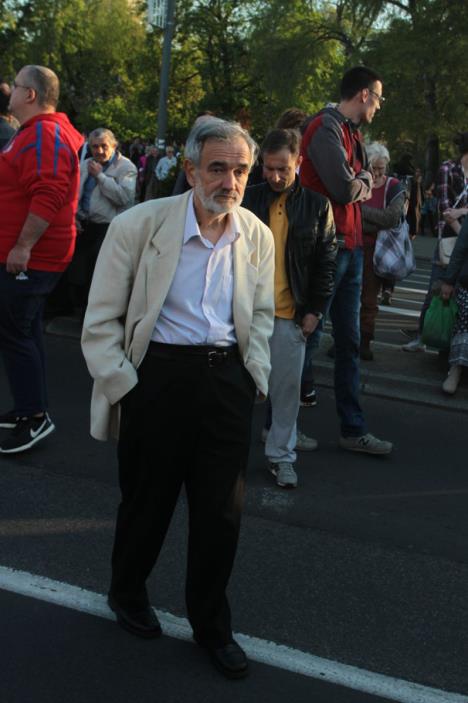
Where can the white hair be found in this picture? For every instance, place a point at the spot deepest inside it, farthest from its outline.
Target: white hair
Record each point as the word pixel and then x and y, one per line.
pixel 376 150
pixel 215 128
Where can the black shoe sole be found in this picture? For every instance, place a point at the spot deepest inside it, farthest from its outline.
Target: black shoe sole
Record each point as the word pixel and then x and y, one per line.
pixel 227 673
pixel 128 627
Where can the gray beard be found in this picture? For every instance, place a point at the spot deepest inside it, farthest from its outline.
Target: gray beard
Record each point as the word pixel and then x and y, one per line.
pixel 209 202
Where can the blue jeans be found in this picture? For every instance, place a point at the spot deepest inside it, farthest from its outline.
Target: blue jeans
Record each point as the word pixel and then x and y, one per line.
pixel 21 347
pixel 343 308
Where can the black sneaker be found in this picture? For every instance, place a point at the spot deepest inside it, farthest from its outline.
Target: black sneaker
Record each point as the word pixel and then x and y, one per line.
pixel 309 400
pixel 8 420
pixel 27 433
pixel 386 298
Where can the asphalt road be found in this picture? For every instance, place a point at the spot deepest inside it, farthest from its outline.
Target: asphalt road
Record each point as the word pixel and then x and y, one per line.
pixel 366 563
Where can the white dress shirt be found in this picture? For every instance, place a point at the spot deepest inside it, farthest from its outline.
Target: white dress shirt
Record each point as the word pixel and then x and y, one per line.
pixel 198 306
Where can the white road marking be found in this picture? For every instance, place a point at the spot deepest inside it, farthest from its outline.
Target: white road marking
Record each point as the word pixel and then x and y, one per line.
pixel 270 653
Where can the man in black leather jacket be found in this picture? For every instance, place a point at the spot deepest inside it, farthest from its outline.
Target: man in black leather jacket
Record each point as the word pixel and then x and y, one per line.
pixel 305 251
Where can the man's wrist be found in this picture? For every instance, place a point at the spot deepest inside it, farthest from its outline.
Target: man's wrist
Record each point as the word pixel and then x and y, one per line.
pixel 23 246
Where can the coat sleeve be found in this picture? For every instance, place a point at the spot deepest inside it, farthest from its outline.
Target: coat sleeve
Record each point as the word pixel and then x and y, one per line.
pixel 45 170
pixel 328 155
pixel 375 219
pixel 103 329
pixel 261 327
pixel 119 189
pixel 322 268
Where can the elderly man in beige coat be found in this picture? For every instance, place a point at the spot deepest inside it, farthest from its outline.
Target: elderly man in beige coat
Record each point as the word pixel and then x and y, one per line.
pixel 176 339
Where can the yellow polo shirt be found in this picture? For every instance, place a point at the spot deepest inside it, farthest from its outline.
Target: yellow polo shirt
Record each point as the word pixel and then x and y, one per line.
pixel 284 302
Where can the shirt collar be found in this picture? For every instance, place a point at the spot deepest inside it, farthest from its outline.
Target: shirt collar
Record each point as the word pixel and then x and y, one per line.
pixel 231 233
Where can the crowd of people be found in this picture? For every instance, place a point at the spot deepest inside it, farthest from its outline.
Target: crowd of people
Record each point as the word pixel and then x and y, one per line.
pixel 222 289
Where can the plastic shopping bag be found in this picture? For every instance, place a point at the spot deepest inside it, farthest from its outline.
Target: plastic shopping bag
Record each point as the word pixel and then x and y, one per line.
pixel 393 254
pixel 439 322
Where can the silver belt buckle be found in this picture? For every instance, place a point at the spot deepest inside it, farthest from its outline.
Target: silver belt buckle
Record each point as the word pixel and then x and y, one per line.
pixel 216 358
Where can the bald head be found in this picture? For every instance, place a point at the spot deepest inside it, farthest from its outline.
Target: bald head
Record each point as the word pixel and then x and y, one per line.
pixel 46 84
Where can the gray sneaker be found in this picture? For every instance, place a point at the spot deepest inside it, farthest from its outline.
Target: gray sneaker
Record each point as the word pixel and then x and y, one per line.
pixel 284 472
pixel 304 443
pixel 367 444
pixel 416 345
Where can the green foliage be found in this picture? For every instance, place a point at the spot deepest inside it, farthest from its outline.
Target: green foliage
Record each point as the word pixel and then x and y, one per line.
pixel 246 59
pixel 423 58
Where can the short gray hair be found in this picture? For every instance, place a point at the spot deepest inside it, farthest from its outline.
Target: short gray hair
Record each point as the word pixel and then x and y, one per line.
pixel 46 84
pixel 103 132
pixel 377 150
pixel 215 128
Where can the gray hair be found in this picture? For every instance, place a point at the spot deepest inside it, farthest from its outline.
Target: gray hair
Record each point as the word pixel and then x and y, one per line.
pixel 103 132
pixel 215 128
pixel 46 84
pixel 377 150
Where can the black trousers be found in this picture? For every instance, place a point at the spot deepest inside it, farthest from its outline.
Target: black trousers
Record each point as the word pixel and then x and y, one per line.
pixel 80 272
pixel 187 422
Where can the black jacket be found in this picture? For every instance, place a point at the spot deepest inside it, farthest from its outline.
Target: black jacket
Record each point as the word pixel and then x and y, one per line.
pixel 311 246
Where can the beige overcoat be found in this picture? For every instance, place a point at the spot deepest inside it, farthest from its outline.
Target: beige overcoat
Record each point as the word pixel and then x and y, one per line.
pixel 133 274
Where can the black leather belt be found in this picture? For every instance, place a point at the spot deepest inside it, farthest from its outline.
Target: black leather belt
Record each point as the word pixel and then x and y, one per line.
pixel 215 356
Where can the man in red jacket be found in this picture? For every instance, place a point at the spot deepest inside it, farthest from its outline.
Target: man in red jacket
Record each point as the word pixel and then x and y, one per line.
pixel 39 179
pixel 334 164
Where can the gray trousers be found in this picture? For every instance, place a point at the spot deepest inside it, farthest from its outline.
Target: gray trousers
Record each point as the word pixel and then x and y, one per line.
pixel 287 347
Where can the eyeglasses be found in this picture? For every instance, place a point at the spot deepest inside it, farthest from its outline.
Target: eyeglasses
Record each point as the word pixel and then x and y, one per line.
pixel 18 85
pixel 380 98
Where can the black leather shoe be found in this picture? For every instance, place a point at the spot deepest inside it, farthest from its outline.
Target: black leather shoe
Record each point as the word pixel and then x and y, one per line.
pixel 229 659
pixel 143 623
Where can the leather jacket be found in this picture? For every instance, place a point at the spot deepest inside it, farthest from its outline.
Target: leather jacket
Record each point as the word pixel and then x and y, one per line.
pixel 311 246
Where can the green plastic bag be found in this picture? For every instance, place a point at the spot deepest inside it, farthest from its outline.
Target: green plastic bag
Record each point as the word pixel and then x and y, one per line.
pixel 438 323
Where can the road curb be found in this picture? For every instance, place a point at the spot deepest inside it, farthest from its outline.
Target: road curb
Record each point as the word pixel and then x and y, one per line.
pixel 394 386
pixel 374 382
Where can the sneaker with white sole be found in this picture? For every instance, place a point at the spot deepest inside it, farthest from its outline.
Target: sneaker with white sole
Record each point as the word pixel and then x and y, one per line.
pixel 284 473
pixel 309 400
pixel 9 420
pixel 28 432
pixel 368 444
pixel 450 384
pixel 304 443
pixel 414 346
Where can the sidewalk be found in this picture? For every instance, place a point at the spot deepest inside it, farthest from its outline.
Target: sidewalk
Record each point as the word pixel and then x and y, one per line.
pixel 423 247
pixel 414 377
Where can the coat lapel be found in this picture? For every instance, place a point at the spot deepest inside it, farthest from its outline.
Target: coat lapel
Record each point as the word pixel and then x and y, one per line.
pixel 163 255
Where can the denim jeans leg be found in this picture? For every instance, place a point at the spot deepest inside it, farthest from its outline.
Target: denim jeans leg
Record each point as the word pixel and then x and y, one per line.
pixel 21 345
pixel 344 314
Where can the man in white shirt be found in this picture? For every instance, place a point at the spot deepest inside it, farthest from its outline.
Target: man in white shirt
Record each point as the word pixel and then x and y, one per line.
pixel 182 299
pixel 164 165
